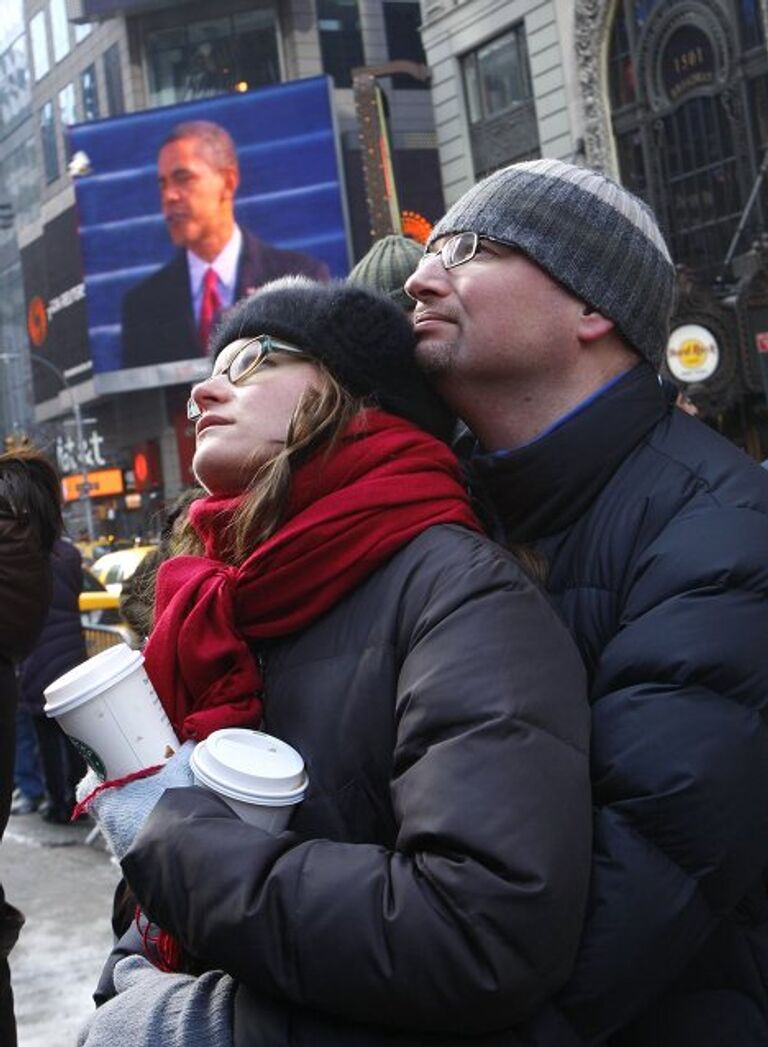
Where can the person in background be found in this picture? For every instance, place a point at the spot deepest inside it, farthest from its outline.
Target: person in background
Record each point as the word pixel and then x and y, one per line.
pixel 337 589
pixel 137 597
pixel 60 647
pixel 542 313
pixel 169 316
pixel 386 266
pixel 30 522
pixel 679 397
pixel 29 786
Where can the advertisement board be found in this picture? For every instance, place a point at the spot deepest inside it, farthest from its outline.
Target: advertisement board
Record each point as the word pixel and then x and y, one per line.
pixel 143 292
pixel 54 296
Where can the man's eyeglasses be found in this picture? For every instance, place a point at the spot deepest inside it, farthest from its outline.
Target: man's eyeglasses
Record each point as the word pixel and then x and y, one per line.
pixel 456 250
pixel 245 355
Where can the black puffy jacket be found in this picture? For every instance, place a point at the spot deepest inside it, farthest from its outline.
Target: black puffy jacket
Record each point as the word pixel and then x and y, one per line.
pixel 656 534
pixel 435 876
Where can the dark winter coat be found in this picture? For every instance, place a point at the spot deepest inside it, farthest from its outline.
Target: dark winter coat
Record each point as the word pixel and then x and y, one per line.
pixel 434 877
pixel 25 589
pixel 656 534
pixel 61 644
pixel 25 592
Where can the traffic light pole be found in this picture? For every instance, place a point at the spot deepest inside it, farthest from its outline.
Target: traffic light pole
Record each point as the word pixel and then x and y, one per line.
pixel 85 494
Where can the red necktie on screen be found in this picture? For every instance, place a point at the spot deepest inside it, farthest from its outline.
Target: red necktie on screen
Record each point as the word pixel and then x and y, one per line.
pixel 209 306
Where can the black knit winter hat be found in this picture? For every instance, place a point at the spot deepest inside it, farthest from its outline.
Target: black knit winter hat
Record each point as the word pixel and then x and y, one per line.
pixel 365 340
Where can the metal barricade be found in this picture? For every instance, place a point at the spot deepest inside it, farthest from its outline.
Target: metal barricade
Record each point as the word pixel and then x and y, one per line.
pixel 99 637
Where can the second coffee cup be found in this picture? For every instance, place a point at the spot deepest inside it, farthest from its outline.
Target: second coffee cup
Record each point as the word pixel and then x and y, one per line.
pixel 260 777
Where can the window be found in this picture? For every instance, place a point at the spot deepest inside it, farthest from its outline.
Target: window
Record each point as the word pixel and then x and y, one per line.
pixel 48 138
pixel 11 21
pixel 758 97
pixel 500 109
pixel 402 19
pixel 59 29
pixel 90 93
pixel 114 81
pixel 67 106
pixel 341 43
pixel 621 68
pixel 39 38
pixel 82 30
pixel 496 76
pixel 15 94
pixel 20 174
pixel 204 58
pixel 749 20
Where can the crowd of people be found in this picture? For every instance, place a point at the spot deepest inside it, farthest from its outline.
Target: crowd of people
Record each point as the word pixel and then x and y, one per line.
pixel 528 683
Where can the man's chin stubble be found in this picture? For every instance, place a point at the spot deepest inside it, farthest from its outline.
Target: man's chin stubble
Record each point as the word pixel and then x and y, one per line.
pixel 436 359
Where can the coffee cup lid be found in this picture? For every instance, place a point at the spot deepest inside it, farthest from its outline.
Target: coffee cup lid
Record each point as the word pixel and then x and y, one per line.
pixel 90 677
pixel 250 766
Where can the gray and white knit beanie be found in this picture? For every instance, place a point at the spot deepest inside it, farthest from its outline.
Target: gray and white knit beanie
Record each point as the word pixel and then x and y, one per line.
pixel 589 233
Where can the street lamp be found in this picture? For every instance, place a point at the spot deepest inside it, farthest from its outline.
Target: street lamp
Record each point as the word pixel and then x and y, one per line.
pixel 77 414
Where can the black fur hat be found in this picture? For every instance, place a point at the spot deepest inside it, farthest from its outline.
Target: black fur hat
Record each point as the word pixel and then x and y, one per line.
pixel 364 339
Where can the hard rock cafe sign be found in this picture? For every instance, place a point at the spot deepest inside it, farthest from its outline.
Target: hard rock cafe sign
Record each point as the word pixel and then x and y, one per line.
pixel 693 354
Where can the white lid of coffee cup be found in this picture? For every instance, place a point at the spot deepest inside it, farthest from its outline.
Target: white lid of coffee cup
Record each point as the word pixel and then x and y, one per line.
pixel 90 677
pixel 250 766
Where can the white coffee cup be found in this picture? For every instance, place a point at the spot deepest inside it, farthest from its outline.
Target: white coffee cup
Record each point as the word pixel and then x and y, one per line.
pixel 112 714
pixel 261 778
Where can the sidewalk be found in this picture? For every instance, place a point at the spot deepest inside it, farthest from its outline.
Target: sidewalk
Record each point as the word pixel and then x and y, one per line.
pixel 64 888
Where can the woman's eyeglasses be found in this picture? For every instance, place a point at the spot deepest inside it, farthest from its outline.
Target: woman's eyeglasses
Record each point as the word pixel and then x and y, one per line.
pixel 245 355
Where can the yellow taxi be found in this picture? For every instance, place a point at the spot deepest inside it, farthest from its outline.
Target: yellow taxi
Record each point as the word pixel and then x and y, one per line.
pixel 97 605
pixel 114 568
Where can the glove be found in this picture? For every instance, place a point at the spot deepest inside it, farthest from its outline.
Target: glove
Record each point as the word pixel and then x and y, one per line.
pixel 121 811
pixel 152 1008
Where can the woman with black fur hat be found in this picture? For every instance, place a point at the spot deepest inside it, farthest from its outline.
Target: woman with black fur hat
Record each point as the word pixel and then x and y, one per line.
pixel 338 592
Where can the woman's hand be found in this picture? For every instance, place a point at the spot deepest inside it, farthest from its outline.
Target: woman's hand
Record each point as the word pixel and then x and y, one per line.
pixel 151 1008
pixel 120 811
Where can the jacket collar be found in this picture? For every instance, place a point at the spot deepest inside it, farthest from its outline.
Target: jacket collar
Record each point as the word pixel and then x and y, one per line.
pixel 540 489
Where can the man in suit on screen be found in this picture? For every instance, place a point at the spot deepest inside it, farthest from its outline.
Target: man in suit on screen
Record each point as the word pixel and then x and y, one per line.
pixel 169 315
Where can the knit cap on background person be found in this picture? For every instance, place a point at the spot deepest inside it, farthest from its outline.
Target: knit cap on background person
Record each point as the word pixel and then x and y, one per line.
pixel 386 267
pixel 361 337
pixel 587 232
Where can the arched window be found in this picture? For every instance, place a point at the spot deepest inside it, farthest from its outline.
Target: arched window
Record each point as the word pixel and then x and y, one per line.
pixel 688 88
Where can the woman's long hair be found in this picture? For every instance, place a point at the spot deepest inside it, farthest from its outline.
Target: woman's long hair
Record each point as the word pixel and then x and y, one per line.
pixel 320 417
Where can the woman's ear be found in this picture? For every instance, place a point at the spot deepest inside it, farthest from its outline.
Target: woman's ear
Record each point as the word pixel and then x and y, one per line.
pixel 593 325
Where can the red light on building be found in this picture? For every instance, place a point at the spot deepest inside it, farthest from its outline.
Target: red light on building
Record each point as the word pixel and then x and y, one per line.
pixel 140 468
pixel 146 466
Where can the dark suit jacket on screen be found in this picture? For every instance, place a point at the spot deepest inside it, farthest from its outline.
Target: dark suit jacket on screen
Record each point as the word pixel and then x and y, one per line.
pixel 158 318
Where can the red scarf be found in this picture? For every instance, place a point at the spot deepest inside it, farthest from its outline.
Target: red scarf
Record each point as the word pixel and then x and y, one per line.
pixel 350 510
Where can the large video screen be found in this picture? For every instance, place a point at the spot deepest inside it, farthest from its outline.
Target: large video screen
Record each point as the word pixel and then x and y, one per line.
pixel 151 212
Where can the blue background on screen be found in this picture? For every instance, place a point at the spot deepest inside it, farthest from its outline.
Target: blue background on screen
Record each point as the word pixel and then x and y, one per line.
pixel 290 191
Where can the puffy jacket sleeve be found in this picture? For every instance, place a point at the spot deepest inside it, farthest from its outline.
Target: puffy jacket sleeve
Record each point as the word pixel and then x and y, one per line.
pixel 680 760
pixel 472 919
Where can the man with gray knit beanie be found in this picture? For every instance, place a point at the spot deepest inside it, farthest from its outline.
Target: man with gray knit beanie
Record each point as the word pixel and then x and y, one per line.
pixel 542 308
